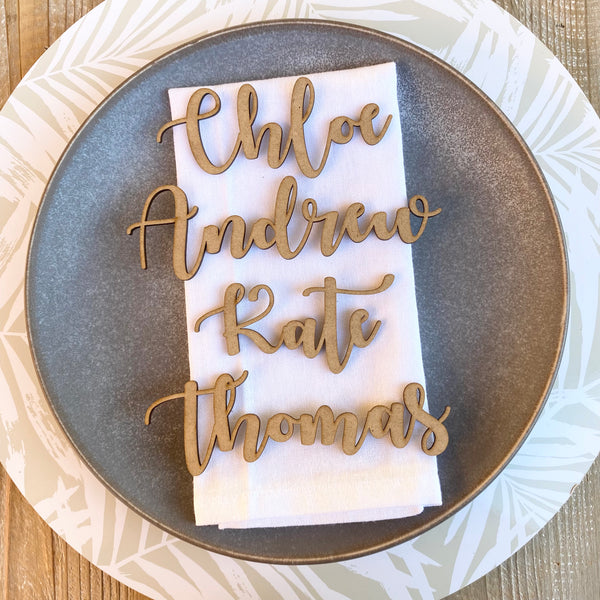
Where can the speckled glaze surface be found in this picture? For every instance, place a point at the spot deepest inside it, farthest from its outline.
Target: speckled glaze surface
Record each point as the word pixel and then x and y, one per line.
pixel 491 282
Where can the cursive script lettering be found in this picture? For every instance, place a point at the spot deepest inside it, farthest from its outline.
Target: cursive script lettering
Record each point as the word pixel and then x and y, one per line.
pixel 296 334
pixel 266 233
pixel 341 129
pixel 380 422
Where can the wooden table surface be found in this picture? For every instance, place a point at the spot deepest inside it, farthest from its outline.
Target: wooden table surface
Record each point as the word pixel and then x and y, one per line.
pixel 561 562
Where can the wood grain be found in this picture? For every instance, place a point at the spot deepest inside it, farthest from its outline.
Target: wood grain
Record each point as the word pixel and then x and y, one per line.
pixel 571 29
pixel 561 562
pixel 9 42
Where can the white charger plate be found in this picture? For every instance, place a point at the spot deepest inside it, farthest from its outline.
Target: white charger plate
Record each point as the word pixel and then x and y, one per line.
pixel 545 105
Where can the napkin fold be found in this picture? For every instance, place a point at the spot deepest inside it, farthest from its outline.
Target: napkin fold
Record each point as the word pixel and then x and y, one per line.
pixel 291 483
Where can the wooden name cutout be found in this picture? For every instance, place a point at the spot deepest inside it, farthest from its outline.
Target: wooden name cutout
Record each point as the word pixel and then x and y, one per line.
pixel 298 333
pixel 341 129
pixel 266 233
pixel 380 421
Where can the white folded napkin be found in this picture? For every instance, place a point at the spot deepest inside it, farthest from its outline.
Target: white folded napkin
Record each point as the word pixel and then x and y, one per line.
pixel 294 484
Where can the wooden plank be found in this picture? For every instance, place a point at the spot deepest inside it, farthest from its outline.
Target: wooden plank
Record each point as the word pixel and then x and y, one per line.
pixel 560 562
pixel 10 69
pixel 63 13
pixel 57 19
pixel 36 564
pixel 4 533
pixel 74 563
pixel 24 537
pixel 4 64
pixel 592 27
pixel 33 32
pixel 61 575
pixel 85 580
pixel 571 29
pixel 96 577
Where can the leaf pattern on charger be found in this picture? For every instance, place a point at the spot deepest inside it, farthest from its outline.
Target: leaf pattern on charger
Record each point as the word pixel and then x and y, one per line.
pixel 532 89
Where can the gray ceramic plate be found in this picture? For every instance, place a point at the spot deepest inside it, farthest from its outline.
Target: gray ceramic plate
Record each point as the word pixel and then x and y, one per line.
pixel 108 338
